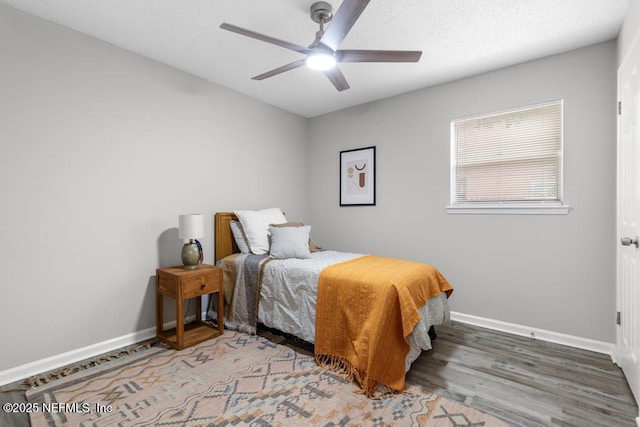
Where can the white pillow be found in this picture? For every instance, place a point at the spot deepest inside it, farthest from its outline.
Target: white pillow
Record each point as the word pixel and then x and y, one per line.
pixel 238 236
pixel 255 225
pixel 290 242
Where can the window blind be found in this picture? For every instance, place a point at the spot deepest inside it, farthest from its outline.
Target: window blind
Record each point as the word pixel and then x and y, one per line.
pixel 513 156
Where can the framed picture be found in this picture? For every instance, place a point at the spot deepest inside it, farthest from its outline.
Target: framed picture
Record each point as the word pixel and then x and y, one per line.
pixel 358 177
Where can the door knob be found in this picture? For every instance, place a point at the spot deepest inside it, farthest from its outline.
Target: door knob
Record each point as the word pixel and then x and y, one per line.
pixel 628 241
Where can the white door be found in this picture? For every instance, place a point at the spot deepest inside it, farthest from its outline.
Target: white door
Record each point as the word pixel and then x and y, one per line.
pixel 628 218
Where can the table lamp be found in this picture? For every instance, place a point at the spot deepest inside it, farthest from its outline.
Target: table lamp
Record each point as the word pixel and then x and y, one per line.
pixel 191 227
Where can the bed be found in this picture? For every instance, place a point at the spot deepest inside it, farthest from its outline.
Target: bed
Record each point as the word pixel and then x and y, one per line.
pixel 310 298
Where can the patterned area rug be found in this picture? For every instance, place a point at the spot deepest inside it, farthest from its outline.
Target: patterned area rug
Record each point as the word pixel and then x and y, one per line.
pixel 235 379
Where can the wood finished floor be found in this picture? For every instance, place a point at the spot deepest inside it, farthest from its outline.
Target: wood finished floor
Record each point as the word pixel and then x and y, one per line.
pixel 523 381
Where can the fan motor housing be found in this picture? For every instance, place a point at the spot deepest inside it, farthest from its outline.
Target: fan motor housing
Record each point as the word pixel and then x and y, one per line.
pixel 321 11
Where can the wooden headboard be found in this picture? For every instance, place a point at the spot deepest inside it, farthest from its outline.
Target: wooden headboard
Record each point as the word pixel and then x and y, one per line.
pixel 225 244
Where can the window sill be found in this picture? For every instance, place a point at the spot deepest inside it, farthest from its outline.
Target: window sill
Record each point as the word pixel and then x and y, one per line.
pixel 514 209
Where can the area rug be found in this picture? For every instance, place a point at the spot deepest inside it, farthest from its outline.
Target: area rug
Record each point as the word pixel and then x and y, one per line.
pixel 235 379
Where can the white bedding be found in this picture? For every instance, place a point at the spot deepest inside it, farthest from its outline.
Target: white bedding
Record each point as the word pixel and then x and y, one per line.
pixel 289 289
pixel 288 299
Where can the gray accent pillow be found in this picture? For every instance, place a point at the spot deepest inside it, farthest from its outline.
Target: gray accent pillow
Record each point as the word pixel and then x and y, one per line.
pixel 290 242
pixel 312 246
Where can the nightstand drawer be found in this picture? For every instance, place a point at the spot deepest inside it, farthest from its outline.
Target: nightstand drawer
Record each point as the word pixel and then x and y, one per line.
pixel 204 284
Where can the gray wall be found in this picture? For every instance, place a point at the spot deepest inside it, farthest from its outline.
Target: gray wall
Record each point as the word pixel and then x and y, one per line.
pixel 550 272
pixel 101 150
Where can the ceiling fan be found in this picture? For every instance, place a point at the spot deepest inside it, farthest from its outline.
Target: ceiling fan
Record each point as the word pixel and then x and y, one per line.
pixel 324 52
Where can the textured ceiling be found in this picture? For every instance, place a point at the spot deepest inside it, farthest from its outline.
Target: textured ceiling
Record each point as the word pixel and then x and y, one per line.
pixel 458 38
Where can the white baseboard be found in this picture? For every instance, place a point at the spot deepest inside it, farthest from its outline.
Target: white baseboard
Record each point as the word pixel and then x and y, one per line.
pixel 73 356
pixel 39 366
pixel 539 334
pixel 57 361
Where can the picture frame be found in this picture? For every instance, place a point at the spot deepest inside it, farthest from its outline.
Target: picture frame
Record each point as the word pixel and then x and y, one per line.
pixel 358 177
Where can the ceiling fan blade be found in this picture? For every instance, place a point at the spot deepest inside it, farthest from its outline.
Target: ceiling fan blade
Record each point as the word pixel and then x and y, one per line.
pixel 337 78
pixel 351 55
pixel 342 21
pixel 280 70
pixel 268 39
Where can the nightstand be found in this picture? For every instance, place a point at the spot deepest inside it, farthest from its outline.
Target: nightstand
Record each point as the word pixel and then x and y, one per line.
pixel 181 284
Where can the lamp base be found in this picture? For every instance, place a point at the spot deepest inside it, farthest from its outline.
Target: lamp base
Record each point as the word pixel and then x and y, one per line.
pixel 190 255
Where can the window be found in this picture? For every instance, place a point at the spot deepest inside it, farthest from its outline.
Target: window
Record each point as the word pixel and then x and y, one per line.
pixel 508 162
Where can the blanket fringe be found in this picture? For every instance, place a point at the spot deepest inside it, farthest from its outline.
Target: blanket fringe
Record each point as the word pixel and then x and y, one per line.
pixel 212 317
pixel 368 386
pixel 240 327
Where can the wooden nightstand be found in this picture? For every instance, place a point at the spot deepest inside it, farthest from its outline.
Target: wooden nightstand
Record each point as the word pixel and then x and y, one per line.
pixel 181 284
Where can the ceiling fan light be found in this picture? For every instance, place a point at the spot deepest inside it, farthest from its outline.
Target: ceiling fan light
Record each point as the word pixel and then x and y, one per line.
pixel 321 61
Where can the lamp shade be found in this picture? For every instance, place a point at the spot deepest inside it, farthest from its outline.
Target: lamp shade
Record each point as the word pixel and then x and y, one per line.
pixel 190 226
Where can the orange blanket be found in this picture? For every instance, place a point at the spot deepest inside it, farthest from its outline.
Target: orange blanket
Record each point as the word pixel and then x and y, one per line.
pixel 366 309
